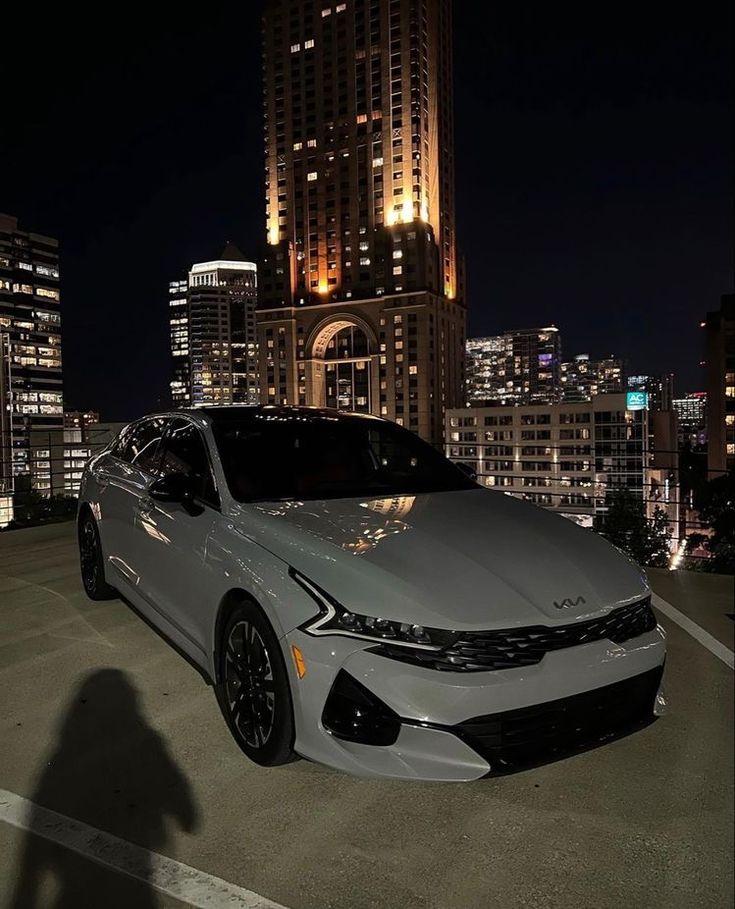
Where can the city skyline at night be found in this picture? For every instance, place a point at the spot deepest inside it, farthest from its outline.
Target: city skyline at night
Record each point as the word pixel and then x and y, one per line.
pixel 593 181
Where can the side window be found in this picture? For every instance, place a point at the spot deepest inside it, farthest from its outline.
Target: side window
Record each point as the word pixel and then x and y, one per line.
pixel 144 446
pixel 120 448
pixel 186 452
pixel 140 443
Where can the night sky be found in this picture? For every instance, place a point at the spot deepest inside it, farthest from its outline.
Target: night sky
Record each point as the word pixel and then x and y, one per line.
pixel 594 179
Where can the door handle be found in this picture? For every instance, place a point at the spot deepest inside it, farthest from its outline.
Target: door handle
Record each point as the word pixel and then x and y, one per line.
pixel 145 505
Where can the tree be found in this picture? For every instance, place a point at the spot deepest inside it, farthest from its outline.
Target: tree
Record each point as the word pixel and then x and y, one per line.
pixel 627 526
pixel 715 502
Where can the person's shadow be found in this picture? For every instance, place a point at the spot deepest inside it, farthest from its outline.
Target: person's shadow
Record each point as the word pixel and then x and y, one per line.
pixel 112 771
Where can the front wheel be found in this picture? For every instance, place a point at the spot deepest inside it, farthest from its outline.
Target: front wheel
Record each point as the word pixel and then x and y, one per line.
pixel 91 561
pixel 253 689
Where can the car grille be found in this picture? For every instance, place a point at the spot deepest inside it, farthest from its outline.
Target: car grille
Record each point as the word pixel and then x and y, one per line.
pixel 528 736
pixel 478 651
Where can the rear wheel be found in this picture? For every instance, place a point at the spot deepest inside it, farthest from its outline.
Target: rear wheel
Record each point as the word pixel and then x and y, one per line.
pixel 91 560
pixel 253 690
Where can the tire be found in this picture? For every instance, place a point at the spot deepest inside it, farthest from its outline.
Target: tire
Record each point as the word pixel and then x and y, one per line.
pixel 253 690
pixel 91 560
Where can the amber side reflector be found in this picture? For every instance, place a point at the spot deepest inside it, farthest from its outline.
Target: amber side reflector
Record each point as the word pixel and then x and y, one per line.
pixel 298 659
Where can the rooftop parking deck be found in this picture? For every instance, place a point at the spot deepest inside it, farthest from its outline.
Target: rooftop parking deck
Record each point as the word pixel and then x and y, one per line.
pixel 143 755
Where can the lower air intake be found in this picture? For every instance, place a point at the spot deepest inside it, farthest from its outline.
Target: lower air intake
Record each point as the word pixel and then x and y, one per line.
pixel 515 739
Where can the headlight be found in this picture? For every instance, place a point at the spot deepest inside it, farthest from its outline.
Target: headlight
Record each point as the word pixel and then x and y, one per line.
pixel 333 618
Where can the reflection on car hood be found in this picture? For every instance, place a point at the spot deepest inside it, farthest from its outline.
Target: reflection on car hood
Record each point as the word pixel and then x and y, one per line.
pixel 467 559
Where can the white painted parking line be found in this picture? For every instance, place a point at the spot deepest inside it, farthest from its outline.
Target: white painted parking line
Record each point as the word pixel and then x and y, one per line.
pixel 166 875
pixel 699 634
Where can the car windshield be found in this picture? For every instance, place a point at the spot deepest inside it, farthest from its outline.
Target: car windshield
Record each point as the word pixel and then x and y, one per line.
pixel 304 456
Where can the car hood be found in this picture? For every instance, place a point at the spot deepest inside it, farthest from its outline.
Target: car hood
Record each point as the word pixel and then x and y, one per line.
pixel 459 560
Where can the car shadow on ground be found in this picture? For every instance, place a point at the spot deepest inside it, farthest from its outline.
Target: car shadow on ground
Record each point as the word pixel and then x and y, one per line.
pixel 113 771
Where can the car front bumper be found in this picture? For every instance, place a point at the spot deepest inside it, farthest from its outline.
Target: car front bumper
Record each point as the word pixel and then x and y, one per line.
pixel 457 726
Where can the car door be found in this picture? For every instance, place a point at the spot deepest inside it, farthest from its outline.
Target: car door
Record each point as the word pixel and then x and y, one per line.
pixel 175 577
pixel 124 475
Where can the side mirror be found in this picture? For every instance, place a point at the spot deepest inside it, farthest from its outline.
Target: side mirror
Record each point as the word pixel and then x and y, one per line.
pixel 175 487
pixel 466 470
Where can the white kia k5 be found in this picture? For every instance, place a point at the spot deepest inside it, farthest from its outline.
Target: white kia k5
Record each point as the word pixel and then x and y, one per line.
pixel 356 599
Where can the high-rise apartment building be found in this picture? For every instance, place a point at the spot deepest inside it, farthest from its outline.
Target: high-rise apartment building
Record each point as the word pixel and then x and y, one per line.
pixel 565 457
pixel 361 298
pixel 581 378
pixel 517 367
pixel 30 336
pixel 485 369
pixel 720 371
pixel 213 333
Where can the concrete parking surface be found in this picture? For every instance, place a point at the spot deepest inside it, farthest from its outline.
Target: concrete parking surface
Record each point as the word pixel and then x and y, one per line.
pixel 142 753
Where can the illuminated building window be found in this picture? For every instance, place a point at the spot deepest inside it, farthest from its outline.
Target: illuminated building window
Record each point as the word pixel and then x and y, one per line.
pixel 311 175
pixel 297 146
pixel 295 48
pixel 311 143
pixel 309 43
pixel 397 269
pixel 340 7
pixel 377 162
pixel 326 12
pixel 362 118
pixel 364 260
pixel 397 253
pixel 413 370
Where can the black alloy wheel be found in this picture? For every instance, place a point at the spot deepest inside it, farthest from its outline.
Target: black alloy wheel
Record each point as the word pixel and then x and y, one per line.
pixel 91 561
pixel 253 689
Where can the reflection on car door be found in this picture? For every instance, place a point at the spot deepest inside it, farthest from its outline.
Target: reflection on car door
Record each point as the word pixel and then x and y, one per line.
pixel 124 475
pixel 174 572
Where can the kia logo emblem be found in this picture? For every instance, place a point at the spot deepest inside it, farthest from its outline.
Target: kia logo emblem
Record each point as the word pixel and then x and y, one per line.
pixel 567 602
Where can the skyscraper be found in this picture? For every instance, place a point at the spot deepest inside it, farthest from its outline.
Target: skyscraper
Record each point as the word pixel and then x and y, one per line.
pixel 213 333
pixel 517 367
pixel 581 378
pixel 30 334
pixel 720 365
pixel 361 292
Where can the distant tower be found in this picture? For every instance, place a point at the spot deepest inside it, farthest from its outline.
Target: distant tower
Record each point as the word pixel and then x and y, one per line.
pixel 213 333
pixel 581 378
pixel 361 298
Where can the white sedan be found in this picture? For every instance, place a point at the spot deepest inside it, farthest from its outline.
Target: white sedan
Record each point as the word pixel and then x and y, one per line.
pixel 355 599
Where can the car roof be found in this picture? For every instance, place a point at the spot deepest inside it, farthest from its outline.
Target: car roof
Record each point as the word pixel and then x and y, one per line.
pixel 233 413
